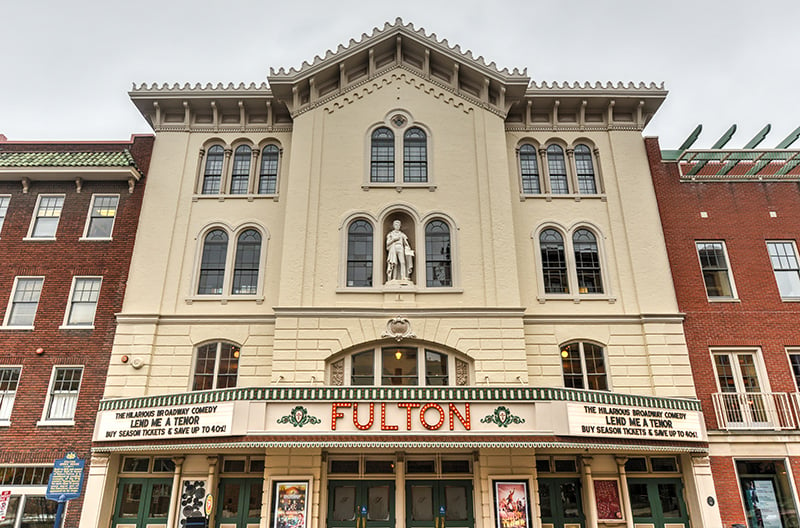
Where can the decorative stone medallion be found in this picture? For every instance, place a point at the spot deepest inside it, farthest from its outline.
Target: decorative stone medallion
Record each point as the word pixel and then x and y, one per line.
pixel 398 328
pixel 502 416
pixel 299 417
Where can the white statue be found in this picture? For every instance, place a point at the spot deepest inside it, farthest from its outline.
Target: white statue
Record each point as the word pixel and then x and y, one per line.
pixel 400 258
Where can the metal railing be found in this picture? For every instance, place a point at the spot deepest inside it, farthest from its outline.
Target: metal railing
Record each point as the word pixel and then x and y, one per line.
pixel 737 411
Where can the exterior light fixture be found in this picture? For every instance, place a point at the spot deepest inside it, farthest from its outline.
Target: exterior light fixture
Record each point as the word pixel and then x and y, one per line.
pixel 398 355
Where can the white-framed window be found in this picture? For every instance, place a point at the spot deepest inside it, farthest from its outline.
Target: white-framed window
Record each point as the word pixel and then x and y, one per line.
pixel 741 378
pixel 584 366
pixel 29 508
pixel 216 366
pixel 9 381
pixel 231 269
pixel 398 142
pixel 83 298
pixel 717 274
pixel 102 213
pixel 794 363
pixel 405 365
pixel 23 302
pixel 4 201
pixel 570 262
pixel 62 395
pixel 785 266
pixel 44 223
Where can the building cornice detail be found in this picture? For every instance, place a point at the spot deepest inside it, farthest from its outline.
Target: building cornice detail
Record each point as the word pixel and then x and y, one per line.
pixel 299 311
pixel 669 318
pixel 157 319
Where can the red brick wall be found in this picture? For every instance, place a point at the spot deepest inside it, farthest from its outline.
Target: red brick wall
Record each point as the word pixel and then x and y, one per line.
pixel 730 503
pixel 58 261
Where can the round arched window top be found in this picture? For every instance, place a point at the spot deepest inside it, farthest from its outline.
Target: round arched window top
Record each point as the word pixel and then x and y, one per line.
pixel 399 120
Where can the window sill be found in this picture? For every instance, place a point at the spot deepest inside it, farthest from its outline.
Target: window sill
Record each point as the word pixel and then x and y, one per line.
pixel 577 299
pixel 5 423
pixel 76 327
pixel 38 239
pixel 790 299
pixel 725 300
pixel 400 289
pixel 398 186
pixel 16 327
pixel 225 299
pixel 550 197
pixel 223 197
pixel 55 423
pixel 95 239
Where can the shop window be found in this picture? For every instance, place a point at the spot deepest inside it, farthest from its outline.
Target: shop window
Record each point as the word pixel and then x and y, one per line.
pixel 767 493
pixel 400 365
pixel 716 272
pixel 103 211
pixel 529 170
pixel 438 265
pixel 785 266
pixel 240 172
pixel 557 170
pixel 45 220
pixel 216 366
pixel 84 294
pixel 29 511
pixel 268 175
pixel 584 366
pixel 359 254
pixel 62 398
pixel 24 301
pixel 9 381
pixel 212 175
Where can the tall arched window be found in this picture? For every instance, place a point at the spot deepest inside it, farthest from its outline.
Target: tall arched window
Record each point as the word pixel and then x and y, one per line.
pixel 554 263
pixel 587 262
pixel 415 156
pixel 584 366
pixel 557 169
pixel 216 366
pixel 438 264
pixel 382 156
pixel 212 263
pixel 406 365
pixel 212 175
pixel 245 268
pixel 268 176
pixel 529 169
pixel 359 254
pixel 585 170
pixel 240 175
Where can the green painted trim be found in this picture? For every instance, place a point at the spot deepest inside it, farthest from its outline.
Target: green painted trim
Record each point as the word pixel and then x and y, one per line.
pixel 471 394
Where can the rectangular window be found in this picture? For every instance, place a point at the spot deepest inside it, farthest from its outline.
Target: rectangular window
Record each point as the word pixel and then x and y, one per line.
pixel 45 219
pixel 794 361
pixel 716 272
pixel 63 397
pixel 4 200
pixel 767 492
pixel 102 213
pixel 83 301
pixel 783 256
pixel 9 380
pixel 24 301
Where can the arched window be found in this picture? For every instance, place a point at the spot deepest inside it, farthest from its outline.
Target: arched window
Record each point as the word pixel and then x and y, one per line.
pixel 529 169
pixel 584 366
pixel 240 174
pixel 554 263
pixel 587 262
pixel 212 175
pixel 212 263
pixel 359 254
pixel 557 169
pixel 268 176
pixel 585 170
pixel 245 268
pixel 382 156
pixel 438 266
pixel 405 365
pixel 216 366
pixel 415 156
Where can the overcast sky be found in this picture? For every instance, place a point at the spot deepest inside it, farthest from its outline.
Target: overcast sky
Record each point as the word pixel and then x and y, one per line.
pixel 67 66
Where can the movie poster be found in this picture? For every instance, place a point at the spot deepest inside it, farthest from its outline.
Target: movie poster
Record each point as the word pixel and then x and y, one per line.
pixel 291 506
pixel 511 503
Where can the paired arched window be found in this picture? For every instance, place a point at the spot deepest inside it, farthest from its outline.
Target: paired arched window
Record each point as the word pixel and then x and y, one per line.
pixel 387 152
pixel 405 365
pixel 230 269
pixel 221 175
pixel 216 366
pixel 562 177
pixel 584 366
pixel 571 264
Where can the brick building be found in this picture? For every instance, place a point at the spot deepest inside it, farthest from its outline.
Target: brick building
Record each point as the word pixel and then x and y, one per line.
pixel 731 220
pixel 68 219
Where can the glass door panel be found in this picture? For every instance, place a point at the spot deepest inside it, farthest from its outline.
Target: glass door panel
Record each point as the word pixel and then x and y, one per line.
pixel 239 502
pixel 658 502
pixel 439 504
pixel 560 502
pixel 360 504
pixel 142 502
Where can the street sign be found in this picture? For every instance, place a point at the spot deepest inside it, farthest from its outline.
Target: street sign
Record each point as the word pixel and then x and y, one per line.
pixel 5 498
pixel 66 479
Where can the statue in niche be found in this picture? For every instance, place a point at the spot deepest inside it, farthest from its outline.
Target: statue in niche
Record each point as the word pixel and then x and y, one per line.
pixel 400 256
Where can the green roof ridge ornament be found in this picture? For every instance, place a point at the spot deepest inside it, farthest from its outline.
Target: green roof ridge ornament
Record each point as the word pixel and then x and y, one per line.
pixel 689 141
pixel 721 142
pixel 753 143
pixel 787 141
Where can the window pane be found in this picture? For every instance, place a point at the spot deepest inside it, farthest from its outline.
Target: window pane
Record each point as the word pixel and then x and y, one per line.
pixel 382 156
pixel 786 268
pixel 344 503
pixel 554 264
pixel 254 502
pixel 240 174
pixel 595 367
pixel 571 365
pixel 101 221
pixel 64 393
pixel 213 170
pixel 47 216
pixel 9 380
pixel 228 366
pixel 362 368
pixel 529 169
pixel 587 262
pixel 422 503
pixel 136 464
pixel 399 366
pixel 378 500
pixel 415 156
pixel 715 269
pixel 159 500
pixel 212 264
pixel 204 367
pixel 4 201
pixel 25 301
pixel 670 503
pixel 84 301
pixel 435 368
pixel 569 500
pixel 248 256
pixel 794 359
pixel 456 505
pixel 230 492
pixel 130 500
pixel 640 502
pixel 585 170
pixel 359 254
pixel 268 177
pixel 545 501
pixel 557 169
pixel 437 254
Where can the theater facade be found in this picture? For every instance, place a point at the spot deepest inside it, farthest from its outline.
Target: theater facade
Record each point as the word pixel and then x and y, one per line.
pixel 399 286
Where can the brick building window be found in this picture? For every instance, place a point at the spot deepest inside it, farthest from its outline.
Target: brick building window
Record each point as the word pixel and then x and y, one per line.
pixel 45 220
pixel 216 366
pixel 783 256
pixel 716 271
pixel 4 201
pixel 62 397
pixel 102 213
pixel 9 380
pixel 23 302
pixel 83 301
pixel 794 361
pixel 584 366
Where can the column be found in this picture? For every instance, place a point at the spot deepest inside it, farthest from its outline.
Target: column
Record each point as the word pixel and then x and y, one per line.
pixel 572 172
pixel 211 484
pixel 175 498
pixel 544 171
pixel 198 177
pixel 252 182
pixel 590 505
pixel 98 498
pixel 624 496
pixel 701 497
pixel 224 179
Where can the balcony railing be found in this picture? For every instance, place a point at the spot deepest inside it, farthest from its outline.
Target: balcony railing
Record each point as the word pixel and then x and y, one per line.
pixel 738 411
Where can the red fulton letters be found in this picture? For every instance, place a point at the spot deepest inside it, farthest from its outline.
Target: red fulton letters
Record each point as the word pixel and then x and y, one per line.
pixel 431 415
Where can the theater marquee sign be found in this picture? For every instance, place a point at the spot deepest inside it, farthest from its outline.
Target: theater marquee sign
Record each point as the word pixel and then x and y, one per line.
pixel 309 412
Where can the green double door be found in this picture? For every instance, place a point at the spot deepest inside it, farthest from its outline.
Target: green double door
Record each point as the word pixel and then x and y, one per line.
pixel 361 504
pixel 239 502
pixel 658 502
pixel 560 502
pixel 142 502
pixel 439 504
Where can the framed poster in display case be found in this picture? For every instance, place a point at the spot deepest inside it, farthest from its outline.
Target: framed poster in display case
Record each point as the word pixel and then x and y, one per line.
pixel 291 503
pixel 511 504
pixel 607 499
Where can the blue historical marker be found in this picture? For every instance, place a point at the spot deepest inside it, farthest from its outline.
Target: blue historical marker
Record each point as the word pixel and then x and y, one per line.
pixel 65 482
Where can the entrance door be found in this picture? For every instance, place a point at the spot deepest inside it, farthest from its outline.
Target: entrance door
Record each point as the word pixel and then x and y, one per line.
pixel 239 503
pixel 658 502
pixel 745 406
pixel 142 502
pixel 439 504
pixel 560 503
pixel 360 504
